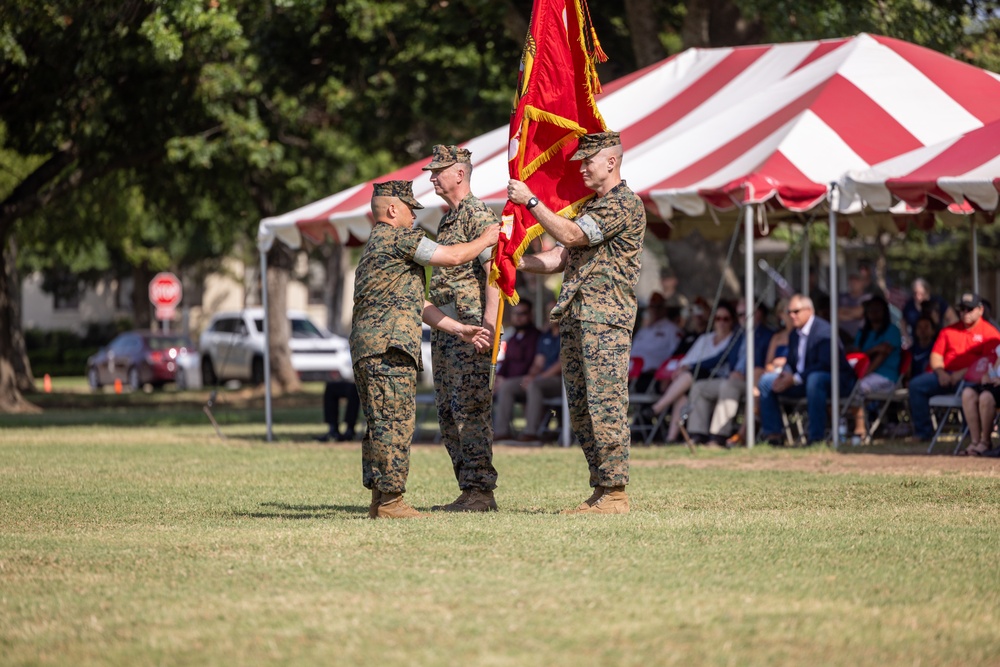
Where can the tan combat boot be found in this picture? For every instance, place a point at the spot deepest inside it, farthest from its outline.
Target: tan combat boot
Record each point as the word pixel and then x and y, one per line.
pixel 457 501
pixel 477 501
pixel 392 506
pixel 373 508
pixel 614 500
pixel 588 503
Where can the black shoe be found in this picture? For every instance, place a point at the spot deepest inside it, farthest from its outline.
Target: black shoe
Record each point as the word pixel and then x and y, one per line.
pixel 326 437
pixel 698 438
pixel 346 437
pixel 716 440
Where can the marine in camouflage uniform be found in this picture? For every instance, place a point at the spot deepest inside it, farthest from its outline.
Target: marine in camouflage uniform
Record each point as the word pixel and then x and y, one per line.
pixel 596 312
pixel 461 375
pixel 385 343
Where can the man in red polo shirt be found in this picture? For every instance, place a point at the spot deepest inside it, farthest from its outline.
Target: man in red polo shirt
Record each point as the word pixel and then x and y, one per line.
pixel 957 347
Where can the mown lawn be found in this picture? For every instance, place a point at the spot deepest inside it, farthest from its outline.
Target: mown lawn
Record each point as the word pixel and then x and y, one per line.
pixel 135 535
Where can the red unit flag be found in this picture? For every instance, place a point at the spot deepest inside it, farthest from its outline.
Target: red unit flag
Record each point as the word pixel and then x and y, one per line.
pixel 553 106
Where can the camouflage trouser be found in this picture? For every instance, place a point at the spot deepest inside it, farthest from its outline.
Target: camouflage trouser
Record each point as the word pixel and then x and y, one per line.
pixel 464 406
pixel 387 387
pixel 595 367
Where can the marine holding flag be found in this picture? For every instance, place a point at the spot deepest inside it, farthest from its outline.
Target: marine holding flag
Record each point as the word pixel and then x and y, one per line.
pixel 600 248
pixel 600 253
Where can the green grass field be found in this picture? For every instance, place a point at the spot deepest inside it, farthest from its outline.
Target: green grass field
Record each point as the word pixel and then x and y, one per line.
pixel 130 534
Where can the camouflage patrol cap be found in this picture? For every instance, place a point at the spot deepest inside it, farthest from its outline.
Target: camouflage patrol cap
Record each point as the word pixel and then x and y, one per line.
pixel 591 144
pixel 445 156
pixel 403 190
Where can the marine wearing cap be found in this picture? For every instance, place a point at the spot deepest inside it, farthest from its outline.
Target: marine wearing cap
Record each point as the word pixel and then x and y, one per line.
pixel 402 190
pixel 444 156
pixel 591 144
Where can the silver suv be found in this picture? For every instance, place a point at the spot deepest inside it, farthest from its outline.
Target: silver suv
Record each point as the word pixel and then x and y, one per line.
pixel 232 348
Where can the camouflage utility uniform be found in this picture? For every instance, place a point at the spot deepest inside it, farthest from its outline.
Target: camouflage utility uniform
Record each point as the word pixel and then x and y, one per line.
pixel 461 375
pixel 596 313
pixel 385 347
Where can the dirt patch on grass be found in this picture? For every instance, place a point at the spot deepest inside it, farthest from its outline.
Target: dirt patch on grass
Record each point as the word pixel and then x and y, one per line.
pixel 826 461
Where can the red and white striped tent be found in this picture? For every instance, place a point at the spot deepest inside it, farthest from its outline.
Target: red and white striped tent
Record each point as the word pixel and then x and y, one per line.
pixel 961 173
pixel 726 127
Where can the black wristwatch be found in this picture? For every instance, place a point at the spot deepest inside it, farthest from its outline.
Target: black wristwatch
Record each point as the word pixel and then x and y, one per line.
pixel 532 203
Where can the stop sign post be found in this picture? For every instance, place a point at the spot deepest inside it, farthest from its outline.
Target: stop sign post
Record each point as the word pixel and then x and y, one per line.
pixel 165 293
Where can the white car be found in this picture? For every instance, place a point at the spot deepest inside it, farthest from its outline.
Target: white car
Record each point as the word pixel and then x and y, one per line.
pixel 232 348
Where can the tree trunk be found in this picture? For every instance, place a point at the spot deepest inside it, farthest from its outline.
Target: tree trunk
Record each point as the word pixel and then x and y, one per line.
pixel 15 369
pixel 714 23
pixel 335 263
pixel 142 310
pixel 645 32
pixel 280 261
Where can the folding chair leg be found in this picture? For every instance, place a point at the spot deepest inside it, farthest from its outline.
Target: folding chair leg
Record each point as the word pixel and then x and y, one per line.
pixel 657 425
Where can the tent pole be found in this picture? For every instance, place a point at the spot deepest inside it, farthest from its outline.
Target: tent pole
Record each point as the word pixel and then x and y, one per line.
pixel 805 260
pixel 267 345
pixel 975 255
pixel 749 298
pixel 834 324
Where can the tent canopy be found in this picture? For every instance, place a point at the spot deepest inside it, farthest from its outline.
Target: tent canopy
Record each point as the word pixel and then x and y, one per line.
pixel 729 126
pixel 961 173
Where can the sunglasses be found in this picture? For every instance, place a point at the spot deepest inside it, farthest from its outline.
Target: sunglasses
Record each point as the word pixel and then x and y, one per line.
pixel 967 309
pixel 794 311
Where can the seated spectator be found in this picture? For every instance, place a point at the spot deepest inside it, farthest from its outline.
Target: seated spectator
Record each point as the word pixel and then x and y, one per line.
pixel 519 354
pixel 336 390
pixel 762 334
pixel 669 285
pixel 956 349
pixel 988 311
pixel 543 381
pixel 924 334
pixel 777 349
pixel 882 342
pixel 719 398
pixel 655 341
pixel 514 389
pixel 850 306
pixel 979 403
pixel 695 324
pixel 705 359
pixel 924 303
pixel 807 374
pixel 868 282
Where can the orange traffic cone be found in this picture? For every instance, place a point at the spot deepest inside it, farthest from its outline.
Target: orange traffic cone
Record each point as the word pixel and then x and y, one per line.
pixel 118 385
pixel 47 383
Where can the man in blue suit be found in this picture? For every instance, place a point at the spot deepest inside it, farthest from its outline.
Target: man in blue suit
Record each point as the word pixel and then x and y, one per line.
pixel 807 373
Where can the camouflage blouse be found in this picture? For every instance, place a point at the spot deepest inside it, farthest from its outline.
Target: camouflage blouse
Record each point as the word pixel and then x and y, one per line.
pixel 599 280
pixel 388 294
pixel 464 285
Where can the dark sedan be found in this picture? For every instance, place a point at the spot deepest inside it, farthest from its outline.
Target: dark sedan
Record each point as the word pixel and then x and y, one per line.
pixel 138 358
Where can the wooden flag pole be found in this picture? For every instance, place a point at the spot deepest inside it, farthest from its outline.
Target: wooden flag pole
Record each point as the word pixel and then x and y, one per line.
pixel 496 341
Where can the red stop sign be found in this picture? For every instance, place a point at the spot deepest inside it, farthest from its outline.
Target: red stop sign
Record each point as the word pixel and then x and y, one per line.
pixel 165 290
